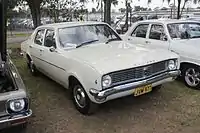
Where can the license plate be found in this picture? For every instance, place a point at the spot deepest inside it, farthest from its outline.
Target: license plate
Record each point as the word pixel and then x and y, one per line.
pixel 142 90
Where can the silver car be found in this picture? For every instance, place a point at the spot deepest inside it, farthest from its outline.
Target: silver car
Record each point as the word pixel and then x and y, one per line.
pixel 14 101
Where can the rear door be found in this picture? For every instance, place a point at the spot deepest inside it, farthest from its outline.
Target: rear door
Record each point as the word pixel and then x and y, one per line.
pixel 36 48
pixel 138 36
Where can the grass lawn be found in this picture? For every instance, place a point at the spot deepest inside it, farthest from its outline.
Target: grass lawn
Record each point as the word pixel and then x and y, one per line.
pixel 174 108
pixel 18 34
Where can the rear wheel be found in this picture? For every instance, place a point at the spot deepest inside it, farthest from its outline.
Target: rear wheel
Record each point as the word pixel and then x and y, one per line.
pixel 191 76
pixel 32 67
pixel 81 101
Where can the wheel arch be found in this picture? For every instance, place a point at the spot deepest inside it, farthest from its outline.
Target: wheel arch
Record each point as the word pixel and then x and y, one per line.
pixel 28 56
pixel 184 64
pixel 72 80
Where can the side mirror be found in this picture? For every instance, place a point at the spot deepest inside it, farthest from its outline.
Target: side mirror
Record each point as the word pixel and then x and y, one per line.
pixel 52 49
pixel 164 37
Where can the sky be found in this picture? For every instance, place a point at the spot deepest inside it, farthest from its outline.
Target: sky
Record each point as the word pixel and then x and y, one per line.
pixel 143 3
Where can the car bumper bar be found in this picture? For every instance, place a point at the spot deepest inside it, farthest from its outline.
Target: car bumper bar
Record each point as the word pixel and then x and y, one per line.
pixel 8 121
pixel 101 95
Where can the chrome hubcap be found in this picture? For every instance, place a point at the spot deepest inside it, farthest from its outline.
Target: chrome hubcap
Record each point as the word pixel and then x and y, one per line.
pixel 192 77
pixel 79 96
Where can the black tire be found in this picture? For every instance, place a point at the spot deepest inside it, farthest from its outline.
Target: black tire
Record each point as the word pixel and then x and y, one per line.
pixel 89 107
pixel 32 67
pixel 187 79
pixel 28 64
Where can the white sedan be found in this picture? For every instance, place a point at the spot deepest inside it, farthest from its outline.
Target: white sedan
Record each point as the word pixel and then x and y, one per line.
pixel 92 61
pixel 179 36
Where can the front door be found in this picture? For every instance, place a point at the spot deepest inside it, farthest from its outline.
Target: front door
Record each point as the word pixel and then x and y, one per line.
pixel 138 36
pixel 157 37
pixel 53 61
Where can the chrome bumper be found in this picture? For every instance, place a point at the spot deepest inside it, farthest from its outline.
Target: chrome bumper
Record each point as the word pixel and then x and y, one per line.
pixel 8 121
pixel 102 95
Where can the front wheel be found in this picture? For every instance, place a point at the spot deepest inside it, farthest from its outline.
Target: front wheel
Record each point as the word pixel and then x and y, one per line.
pixel 81 101
pixel 191 76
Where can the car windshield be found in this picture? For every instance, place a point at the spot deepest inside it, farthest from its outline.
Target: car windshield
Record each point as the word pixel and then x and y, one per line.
pixel 86 34
pixel 184 30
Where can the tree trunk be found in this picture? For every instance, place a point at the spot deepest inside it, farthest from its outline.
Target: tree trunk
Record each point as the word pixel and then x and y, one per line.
pixel 183 8
pixel 3 29
pixel 179 9
pixel 107 11
pixel 35 12
pixel 126 23
pixel 101 10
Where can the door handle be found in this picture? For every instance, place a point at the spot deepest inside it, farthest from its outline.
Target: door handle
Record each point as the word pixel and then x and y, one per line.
pixel 129 39
pixel 30 46
pixel 147 42
pixel 41 50
pixel 174 51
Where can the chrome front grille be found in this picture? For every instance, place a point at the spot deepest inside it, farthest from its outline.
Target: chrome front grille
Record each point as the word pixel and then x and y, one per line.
pixel 138 73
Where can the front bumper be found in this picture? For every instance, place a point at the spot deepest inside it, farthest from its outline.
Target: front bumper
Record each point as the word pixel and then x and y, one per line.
pixel 13 120
pixel 101 96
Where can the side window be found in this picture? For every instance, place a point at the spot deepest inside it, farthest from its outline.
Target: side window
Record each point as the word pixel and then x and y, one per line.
pixel 157 32
pixel 39 37
pixel 50 39
pixel 140 31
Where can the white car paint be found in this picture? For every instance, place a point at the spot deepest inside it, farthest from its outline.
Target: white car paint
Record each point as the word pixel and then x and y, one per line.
pixel 89 63
pixel 188 49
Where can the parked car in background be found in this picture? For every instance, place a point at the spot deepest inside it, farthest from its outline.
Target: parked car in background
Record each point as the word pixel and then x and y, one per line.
pixel 91 60
pixel 179 36
pixel 194 19
pixel 14 100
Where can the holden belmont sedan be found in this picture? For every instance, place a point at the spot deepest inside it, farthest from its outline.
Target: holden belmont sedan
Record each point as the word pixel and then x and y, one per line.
pixel 14 100
pixel 179 36
pixel 91 60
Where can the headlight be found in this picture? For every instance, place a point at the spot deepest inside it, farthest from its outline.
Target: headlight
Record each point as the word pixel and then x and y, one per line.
pixel 172 64
pixel 17 105
pixel 106 81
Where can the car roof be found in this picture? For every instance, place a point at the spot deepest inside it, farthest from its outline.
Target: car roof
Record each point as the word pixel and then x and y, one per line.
pixel 70 24
pixel 166 21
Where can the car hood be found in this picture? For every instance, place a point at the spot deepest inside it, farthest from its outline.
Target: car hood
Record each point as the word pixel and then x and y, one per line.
pixel 118 55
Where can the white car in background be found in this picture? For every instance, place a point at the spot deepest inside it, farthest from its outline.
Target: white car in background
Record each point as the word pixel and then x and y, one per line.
pixel 91 60
pixel 179 36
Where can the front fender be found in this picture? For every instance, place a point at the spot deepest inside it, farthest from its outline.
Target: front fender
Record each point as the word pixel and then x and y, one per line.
pixel 190 61
pixel 87 76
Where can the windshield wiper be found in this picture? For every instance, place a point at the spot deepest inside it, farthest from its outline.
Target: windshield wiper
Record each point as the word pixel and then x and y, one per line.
pixel 88 42
pixel 112 39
